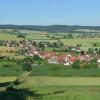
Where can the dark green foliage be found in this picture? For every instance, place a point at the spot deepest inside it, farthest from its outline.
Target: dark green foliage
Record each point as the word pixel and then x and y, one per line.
pixel 79 45
pixel 41 45
pixel 93 63
pixel 35 59
pixel 70 36
pixel 61 44
pixel 94 44
pixel 7 65
pixel 90 50
pixel 21 36
pixel 76 64
pixel 27 66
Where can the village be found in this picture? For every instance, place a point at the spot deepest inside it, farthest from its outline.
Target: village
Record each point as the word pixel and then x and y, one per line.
pixel 66 55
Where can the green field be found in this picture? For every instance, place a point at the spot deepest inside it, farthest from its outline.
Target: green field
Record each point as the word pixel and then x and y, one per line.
pixel 58 88
pixel 6 36
pixel 62 81
pixel 49 70
pixel 85 42
pixel 50 82
pixel 39 36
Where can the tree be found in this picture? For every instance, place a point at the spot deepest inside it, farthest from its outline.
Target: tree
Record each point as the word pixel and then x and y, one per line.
pixel 55 44
pixel 41 45
pixel 27 66
pixel 76 64
pixel 21 36
pixel 70 36
pixel 79 45
pixel 90 50
pixel 61 44
pixel 99 51
pixel 93 63
pixel 94 44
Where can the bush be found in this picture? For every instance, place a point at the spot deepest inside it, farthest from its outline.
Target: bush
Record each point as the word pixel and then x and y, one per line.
pixel 27 66
pixel 87 66
pixel 7 65
pixel 76 64
pixel 21 36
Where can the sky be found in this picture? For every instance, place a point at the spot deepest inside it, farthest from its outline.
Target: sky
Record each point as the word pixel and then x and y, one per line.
pixel 50 12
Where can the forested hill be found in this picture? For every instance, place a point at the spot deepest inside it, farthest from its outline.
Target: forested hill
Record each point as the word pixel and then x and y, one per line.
pixel 51 28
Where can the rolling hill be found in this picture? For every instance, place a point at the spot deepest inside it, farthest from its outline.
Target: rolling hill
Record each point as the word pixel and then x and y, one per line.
pixel 51 28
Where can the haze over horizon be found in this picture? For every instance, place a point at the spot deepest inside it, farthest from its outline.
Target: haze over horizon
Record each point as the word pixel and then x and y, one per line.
pixel 50 12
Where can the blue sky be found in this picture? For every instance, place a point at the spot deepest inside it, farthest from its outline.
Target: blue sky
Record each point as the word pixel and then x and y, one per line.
pixel 50 12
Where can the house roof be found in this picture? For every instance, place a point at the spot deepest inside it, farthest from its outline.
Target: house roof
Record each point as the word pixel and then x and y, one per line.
pixel 61 58
pixel 48 55
pixel 72 59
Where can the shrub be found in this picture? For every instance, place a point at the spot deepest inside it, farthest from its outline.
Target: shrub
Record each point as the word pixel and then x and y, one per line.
pixel 7 65
pixel 27 66
pixel 76 64
pixel 21 36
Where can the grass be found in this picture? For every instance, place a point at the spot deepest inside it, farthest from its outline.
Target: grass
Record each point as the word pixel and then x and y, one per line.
pixel 57 88
pixel 64 88
pixel 49 81
pixel 61 70
pixel 5 36
pixel 70 93
pixel 50 70
pixel 7 79
pixel 37 37
pixel 86 42
pixel 12 70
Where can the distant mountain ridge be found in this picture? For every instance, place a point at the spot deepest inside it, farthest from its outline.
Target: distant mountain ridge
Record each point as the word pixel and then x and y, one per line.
pixel 50 28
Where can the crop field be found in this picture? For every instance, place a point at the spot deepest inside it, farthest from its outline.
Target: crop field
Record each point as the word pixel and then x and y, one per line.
pixel 85 42
pixel 7 49
pixel 64 88
pixel 39 36
pixel 7 79
pixel 49 70
pixel 62 81
pixel 52 82
pixel 60 88
pixel 4 36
